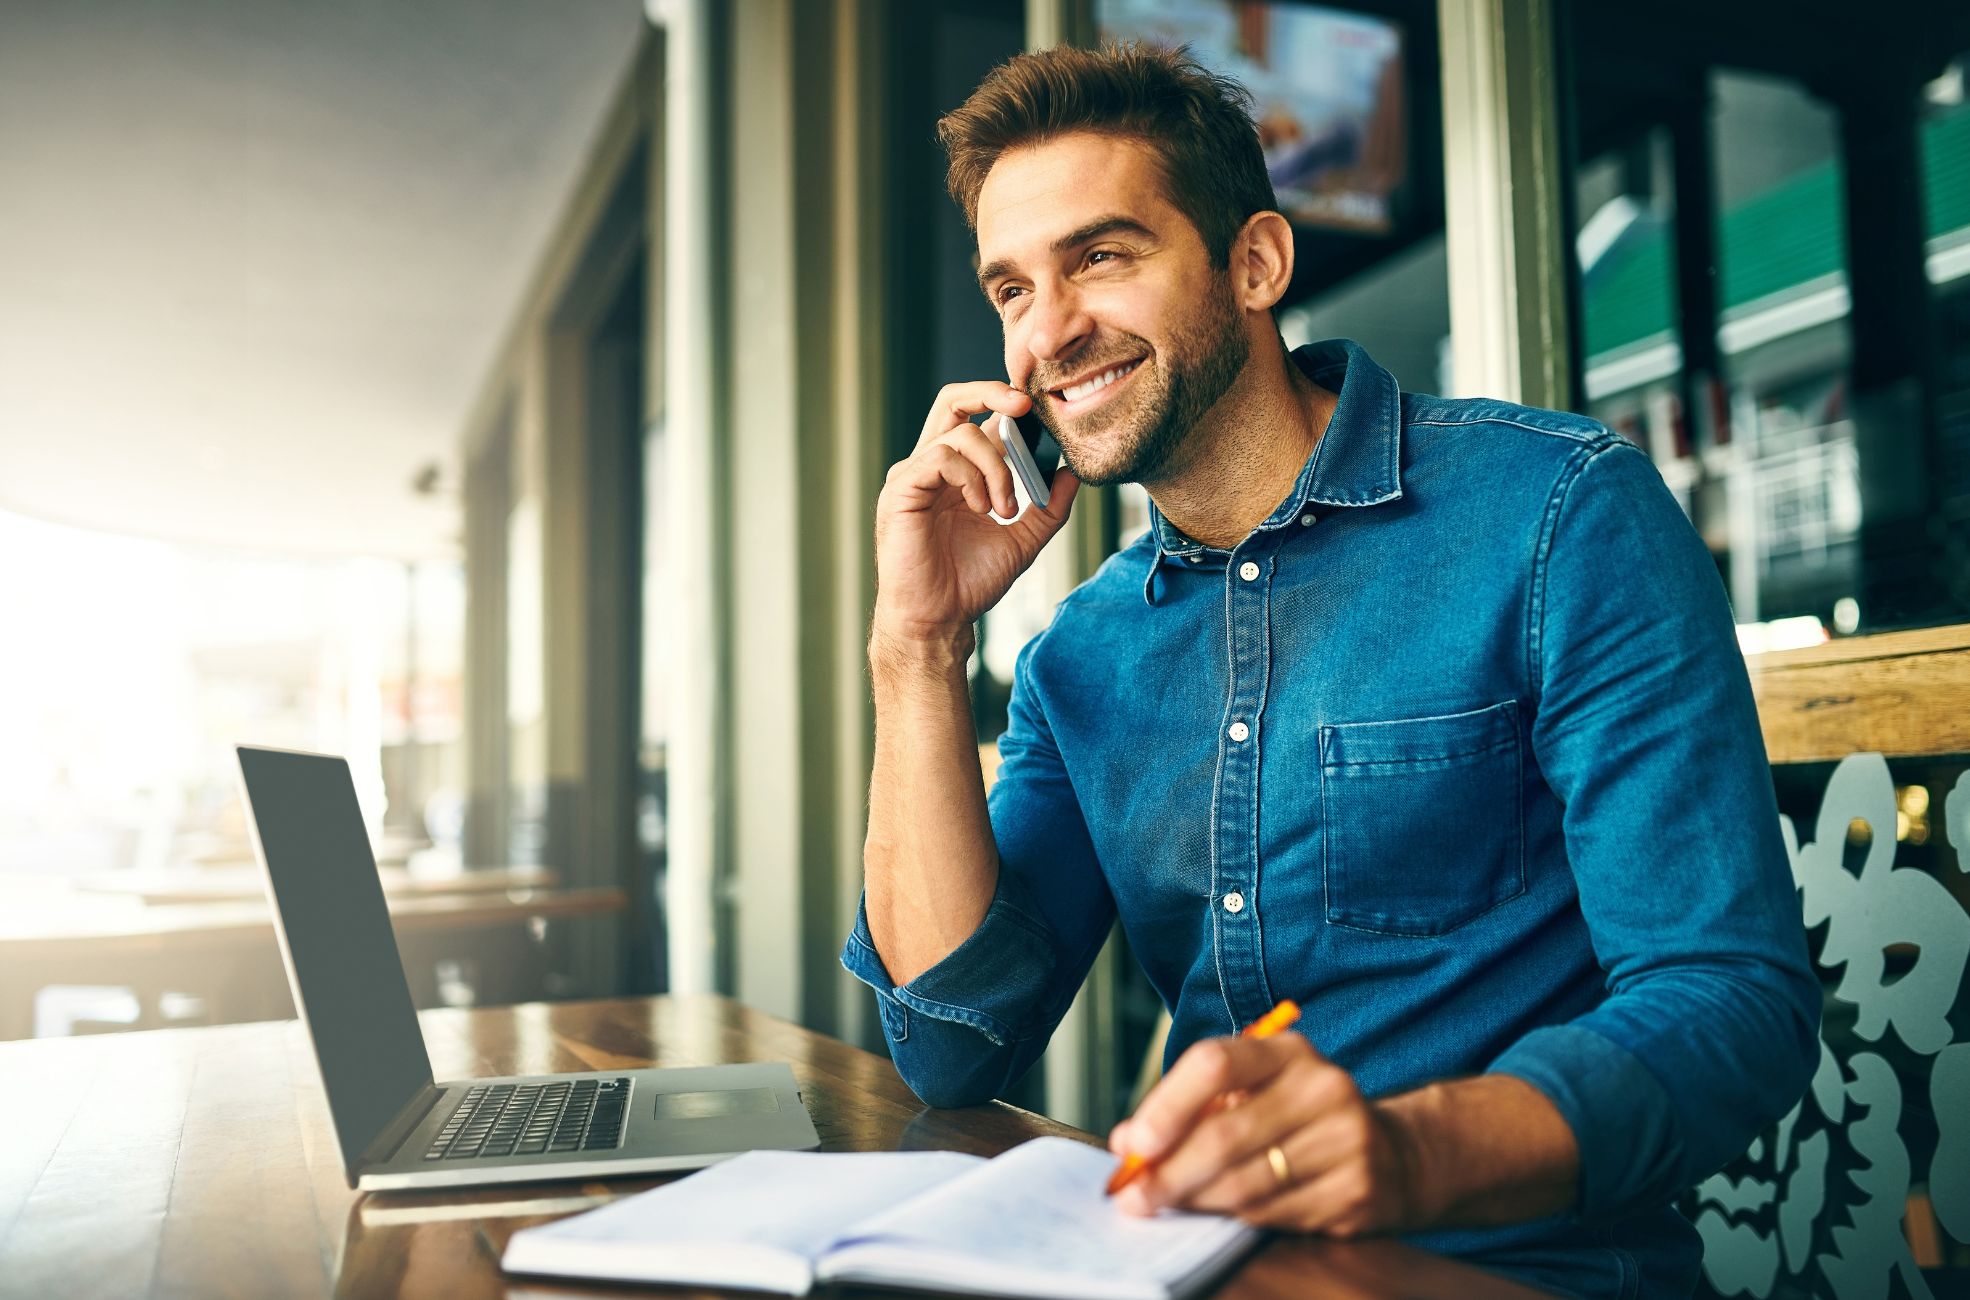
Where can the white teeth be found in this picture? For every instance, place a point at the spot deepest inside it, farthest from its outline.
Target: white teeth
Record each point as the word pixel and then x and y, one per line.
pixel 1095 385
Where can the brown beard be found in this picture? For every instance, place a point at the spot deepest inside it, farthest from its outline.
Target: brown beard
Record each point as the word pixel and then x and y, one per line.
pixel 1199 367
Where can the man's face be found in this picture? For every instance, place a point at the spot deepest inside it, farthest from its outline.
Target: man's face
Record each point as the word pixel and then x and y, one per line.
pixel 1116 323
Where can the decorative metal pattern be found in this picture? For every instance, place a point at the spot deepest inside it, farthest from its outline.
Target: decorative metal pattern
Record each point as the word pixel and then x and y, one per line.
pixel 1817 1209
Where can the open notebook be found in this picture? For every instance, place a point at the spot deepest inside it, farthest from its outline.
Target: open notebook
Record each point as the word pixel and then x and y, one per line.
pixel 1033 1222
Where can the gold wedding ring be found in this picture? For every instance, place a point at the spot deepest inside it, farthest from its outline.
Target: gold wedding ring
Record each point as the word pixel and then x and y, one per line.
pixel 1282 1168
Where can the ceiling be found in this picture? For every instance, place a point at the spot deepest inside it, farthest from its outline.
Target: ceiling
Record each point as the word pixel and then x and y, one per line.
pixel 256 256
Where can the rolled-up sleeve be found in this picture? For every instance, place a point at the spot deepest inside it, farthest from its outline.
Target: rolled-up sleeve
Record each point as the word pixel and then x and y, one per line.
pixel 1647 731
pixel 965 1030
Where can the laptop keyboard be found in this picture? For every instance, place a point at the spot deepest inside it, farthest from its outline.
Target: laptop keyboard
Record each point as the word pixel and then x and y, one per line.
pixel 530 1119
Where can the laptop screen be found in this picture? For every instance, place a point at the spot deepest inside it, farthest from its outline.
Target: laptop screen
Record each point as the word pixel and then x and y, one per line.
pixel 342 956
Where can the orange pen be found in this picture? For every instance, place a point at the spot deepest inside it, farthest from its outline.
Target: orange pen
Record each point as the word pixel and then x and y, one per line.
pixel 1280 1017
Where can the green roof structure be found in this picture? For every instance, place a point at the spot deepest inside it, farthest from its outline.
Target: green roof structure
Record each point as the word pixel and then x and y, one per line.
pixel 1790 235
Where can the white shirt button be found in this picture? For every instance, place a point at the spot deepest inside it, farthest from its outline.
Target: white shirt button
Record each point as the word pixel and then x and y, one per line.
pixel 1306 521
pixel 1234 902
pixel 1239 731
pixel 1248 570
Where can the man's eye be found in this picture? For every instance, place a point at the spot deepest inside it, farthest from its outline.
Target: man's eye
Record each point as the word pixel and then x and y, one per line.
pixel 1101 254
pixel 1005 294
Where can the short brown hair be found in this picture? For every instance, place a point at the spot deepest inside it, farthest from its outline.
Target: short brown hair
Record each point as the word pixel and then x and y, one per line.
pixel 1199 125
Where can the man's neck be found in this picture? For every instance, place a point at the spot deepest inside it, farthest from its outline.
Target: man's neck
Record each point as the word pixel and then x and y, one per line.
pixel 1248 451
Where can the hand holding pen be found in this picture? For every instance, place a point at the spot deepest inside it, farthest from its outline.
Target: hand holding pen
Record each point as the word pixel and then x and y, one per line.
pixel 1283 1016
pixel 1302 1149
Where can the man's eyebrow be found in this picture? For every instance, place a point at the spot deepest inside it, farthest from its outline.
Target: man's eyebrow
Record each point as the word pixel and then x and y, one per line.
pixel 1093 230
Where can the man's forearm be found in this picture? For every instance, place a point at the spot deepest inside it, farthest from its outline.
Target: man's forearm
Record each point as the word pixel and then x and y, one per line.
pixel 1482 1151
pixel 931 864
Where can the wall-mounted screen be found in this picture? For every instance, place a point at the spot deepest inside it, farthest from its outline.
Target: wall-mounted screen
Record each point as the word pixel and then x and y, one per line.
pixel 1328 94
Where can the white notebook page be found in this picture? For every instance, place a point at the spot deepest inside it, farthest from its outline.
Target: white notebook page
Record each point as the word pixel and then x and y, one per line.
pixel 795 1201
pixel 1043 1207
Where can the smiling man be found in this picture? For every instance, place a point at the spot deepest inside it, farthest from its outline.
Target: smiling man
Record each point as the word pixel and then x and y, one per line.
pixel 1425 713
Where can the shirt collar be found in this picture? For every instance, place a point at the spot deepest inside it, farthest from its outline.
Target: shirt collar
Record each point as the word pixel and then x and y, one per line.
pixel 1357 462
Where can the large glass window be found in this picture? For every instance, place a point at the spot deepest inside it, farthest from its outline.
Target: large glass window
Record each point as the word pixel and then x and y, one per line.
pixel 273 416
pixel 1767 291
pixel 119 731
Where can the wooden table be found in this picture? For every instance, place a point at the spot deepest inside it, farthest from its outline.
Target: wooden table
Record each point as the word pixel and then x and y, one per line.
pixel 200 1162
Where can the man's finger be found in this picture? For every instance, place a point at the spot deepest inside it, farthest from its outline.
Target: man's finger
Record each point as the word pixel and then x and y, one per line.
pixel 1249 1178
pixel 1041 523
pixel 1340 1202
pixel 1215 1165
pixel 1194 1170
pixel 957 403
pixel 933 469
pixel 971 442
pixel 1201 1075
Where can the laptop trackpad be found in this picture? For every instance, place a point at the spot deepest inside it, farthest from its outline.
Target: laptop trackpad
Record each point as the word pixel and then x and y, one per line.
pixel 714 1105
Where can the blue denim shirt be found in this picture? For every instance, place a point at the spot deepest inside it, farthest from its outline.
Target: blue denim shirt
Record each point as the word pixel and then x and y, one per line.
pixel 1456 749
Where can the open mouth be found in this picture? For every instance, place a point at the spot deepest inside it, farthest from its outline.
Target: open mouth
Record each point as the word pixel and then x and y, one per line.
pixel 1095 389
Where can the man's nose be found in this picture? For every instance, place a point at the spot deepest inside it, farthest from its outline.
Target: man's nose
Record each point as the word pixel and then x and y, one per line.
pixel 1056 324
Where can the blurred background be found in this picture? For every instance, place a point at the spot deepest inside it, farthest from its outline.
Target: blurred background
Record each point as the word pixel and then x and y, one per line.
pixel 496 392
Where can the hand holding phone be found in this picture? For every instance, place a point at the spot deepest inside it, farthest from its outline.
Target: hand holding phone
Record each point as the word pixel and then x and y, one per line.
pixel 944 551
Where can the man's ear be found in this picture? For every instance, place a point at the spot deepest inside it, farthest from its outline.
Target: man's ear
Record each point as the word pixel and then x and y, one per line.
pixel 1262 261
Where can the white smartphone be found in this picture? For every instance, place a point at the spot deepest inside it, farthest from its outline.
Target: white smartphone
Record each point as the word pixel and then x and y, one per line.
pixel 1032 453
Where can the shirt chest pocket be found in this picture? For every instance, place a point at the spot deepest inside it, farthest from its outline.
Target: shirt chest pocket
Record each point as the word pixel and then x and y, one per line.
pixel 1423 820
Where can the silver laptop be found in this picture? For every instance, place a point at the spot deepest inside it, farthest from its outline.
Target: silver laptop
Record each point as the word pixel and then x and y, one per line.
pixel 397 1128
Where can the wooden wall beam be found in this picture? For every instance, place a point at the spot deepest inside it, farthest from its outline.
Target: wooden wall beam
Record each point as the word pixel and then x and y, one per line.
pixel 1903 694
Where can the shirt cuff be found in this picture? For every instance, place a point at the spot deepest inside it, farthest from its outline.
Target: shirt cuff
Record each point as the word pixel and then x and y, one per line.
pixel 996 982
pixel 1631 1154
